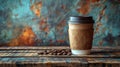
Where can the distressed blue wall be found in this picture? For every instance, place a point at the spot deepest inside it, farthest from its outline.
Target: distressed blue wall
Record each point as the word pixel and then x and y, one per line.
pixel 44 22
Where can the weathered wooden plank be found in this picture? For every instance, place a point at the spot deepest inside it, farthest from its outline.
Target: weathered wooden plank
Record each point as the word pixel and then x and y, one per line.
pixel 31 53
pixel 67 62
pixel 62 60
pixel 99 57
pixel 63 56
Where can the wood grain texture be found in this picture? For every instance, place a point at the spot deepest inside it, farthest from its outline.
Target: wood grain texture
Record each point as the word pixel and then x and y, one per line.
pixel 26 57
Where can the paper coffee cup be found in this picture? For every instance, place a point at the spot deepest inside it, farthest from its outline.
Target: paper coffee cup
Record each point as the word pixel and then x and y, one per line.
pixel 80 35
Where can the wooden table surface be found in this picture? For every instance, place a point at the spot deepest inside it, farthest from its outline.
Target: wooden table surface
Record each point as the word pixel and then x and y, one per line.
pixel 29 57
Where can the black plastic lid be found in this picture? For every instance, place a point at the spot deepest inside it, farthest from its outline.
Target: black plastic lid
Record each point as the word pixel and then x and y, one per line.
pixel 81 19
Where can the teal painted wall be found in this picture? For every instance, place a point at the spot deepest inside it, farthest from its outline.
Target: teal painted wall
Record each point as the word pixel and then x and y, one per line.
pixel 44 22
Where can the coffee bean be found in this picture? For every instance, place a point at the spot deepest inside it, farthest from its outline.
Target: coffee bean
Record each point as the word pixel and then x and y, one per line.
pixel 44 53
pixel 59 50
pixel 56 52
pixel 41 53
pixel 50 53
pixel 69 53
pixel 59 53
pixel 47 51
pixel 64 53
pixel 67 50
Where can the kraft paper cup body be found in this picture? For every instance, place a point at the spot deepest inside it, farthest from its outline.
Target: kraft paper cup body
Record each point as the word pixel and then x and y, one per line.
pixel 80 36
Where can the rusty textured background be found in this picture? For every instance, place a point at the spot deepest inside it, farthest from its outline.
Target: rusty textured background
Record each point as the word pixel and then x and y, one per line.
pixel 44 22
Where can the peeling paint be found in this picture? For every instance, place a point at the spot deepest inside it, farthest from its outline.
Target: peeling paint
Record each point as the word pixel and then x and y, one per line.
pixel 85 7
pixel 36 8
pixel 44 22
pixel 60 41
pixel 26 38
pixel 61 25
pixel 94 1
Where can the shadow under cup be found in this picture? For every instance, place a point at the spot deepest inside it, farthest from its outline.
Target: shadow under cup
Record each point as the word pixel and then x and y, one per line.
pixel 81 34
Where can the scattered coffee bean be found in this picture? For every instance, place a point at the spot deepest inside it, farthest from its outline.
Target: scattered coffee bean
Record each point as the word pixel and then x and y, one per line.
pixel 47 51
pixel 41 53
pixel 59 53
pixel 69 53
pixel 50 54
pixel 56 52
